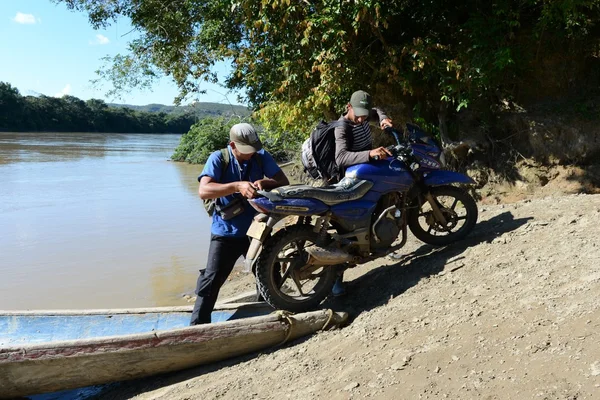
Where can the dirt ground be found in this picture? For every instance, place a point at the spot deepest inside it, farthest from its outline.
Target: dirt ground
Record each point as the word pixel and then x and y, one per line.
pixel 512 312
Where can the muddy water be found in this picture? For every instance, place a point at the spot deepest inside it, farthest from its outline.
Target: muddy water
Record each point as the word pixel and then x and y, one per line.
pixel 97 220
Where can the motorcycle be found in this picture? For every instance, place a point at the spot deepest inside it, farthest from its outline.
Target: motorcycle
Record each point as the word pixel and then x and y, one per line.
pixel 355 221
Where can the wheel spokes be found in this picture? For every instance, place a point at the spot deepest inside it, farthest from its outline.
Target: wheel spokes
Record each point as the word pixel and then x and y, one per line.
pixel 294 279
pixel 285 275
pixel 285 259
pixel 291 260
pixel 298 284
pixel 299 245
pixel 454 204
pixel 448 206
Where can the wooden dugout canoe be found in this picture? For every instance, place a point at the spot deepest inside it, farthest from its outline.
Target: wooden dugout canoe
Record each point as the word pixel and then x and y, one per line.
pixel 47 351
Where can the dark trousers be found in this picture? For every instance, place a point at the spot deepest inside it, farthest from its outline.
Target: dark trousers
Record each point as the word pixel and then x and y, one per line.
pixel 222 255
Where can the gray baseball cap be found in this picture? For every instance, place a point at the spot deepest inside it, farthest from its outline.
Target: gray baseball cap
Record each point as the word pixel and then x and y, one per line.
pixel 361 103
pixel 245 138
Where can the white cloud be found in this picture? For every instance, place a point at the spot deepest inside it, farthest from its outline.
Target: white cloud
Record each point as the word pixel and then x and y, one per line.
pixel 100 39
pixel 66 90
pixel 22 18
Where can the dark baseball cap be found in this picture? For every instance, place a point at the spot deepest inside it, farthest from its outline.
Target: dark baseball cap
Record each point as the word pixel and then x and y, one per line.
pixel 361 103
pixel 245 138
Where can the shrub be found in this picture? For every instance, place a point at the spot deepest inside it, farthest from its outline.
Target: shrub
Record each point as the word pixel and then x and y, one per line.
pixel 204 137
pixel 212 134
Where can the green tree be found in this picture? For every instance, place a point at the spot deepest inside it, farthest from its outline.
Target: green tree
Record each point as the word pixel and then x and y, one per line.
pixel 203 138
pixel 299 60
pixel 70 114
pixel 99 113
pixel 11 107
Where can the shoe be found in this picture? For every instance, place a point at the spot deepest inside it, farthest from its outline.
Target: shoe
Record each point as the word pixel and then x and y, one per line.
pixel 339 287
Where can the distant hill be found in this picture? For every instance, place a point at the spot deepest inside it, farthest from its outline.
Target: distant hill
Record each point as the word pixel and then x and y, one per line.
pixel 200 109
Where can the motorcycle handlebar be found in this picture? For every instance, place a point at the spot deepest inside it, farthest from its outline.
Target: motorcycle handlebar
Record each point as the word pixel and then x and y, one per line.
pixel 392 131
pixel 397 151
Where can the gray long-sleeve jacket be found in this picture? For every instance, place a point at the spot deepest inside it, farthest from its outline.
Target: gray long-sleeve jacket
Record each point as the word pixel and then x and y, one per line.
pixel 354 142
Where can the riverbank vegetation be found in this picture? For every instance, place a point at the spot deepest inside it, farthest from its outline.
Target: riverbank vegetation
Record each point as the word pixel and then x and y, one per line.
pixel 210 134
pixel 69 114
pixel 499 78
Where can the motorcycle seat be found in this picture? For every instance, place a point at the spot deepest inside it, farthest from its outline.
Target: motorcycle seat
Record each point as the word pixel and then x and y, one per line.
pixel 347 189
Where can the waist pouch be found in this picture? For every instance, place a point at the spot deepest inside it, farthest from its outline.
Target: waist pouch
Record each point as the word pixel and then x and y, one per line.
pixel 232 209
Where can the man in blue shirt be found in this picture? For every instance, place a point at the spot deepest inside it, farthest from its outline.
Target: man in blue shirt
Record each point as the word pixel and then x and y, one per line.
pixel 231 183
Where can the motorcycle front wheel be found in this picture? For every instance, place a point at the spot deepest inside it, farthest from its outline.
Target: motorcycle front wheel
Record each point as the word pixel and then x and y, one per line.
pixel 459 210
pixel 285 279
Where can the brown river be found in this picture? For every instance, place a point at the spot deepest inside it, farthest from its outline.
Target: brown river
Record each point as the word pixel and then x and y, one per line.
pixel 92 220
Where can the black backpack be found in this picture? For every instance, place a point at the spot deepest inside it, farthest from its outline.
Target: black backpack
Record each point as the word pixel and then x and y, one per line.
pixel 318 152
pixel 210 204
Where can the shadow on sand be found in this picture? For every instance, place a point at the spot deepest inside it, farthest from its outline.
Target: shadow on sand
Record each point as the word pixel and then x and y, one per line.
pixel 377 286
pixel 389 281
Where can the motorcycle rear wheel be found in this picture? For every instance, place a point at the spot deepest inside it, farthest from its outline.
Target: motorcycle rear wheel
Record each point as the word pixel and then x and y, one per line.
pixel 459 209
pixel 284 279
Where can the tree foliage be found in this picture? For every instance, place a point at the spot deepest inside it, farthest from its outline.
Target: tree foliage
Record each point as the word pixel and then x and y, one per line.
pixel 299 60
pixel 70 114
pixel 212 133
pixel 203 138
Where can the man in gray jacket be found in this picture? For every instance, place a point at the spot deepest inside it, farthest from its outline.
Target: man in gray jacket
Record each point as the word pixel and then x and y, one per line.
pixel 354 143
pixel 353 140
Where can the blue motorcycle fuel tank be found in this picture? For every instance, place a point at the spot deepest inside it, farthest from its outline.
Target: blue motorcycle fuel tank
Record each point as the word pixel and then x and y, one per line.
pixel 388 175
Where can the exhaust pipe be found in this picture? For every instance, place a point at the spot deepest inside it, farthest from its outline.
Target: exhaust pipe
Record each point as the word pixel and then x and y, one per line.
pixel 329 256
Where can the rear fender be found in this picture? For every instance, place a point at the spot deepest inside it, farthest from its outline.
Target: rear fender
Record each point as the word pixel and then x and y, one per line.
pixel 440 178
pixel 304 207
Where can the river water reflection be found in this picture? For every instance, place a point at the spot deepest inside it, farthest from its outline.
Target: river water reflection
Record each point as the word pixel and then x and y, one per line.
pixel 97 221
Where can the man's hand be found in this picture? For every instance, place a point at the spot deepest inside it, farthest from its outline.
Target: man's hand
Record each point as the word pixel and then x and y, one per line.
pixel 279 179
pixel 259 184
pixel 378 153
pixel 386 122
pixel 246 189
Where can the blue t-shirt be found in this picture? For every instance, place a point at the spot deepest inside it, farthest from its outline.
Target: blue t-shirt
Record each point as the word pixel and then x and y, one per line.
pixel 238 225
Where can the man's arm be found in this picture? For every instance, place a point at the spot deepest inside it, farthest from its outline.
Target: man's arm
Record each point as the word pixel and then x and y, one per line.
pixel 346 158
pixel 279 179
pixel 273 176
pixel 343 156
pixel 210 189
pixel 379 115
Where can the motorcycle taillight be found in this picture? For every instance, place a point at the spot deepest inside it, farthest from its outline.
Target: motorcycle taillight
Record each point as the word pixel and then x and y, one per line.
pixel 258 208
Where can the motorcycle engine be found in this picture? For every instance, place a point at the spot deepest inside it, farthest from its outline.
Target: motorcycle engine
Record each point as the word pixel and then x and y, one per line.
pixel 387 231
pixel 387 223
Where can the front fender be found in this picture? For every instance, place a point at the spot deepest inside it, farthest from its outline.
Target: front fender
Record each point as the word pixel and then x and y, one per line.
pixel 439 178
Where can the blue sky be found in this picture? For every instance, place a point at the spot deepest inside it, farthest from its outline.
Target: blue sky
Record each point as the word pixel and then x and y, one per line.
pixel 45 48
